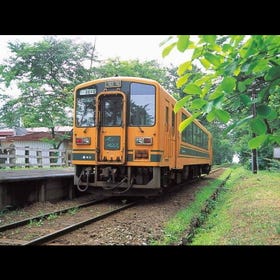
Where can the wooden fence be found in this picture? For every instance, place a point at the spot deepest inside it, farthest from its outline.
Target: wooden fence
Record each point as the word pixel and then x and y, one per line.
pixel 26 157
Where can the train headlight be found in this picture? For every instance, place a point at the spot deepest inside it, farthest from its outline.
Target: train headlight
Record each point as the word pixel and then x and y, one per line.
pixel 83 141
pixel 144 140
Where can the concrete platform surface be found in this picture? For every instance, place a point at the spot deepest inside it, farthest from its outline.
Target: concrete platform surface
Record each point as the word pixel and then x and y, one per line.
pixel 31 174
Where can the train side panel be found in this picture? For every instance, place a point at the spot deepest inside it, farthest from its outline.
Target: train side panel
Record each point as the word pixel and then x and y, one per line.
pixel 194 144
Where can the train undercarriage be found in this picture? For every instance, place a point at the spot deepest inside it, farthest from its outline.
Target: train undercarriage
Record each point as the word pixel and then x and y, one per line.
pixel 114 180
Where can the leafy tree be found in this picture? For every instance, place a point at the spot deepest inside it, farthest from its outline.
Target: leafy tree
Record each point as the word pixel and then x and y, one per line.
pixel 166 76
pixel 223 147
pixel 46 73
pixel 238 72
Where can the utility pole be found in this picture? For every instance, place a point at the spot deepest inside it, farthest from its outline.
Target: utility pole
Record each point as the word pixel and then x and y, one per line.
pixel 254 151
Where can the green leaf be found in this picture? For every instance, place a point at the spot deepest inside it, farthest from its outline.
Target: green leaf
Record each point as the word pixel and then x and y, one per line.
pixel 237 71
pixel 252 66
pixel 197 52
pixel 218 101
pixel 192 89
pixel 208 108
pixel 263 110
pixel 198 103
pixel 274 86
pixel 182 80
pixel 205 89
pixel 211 116
pixel 261 66
pixel 205 63
pixel 241 86
pixel 245 99
pixel 272 115
pixel 168 49
pixel 256 142
pixel 245 66
pixel 230 68
pixel 228 84
pixel 222 115
pixel 236 124
pixel 204 79
pixel 250 48
pixel 274 138
pixel 183 42
pixel 216 94
pixel 211 39
pixel 184 67
pixel 236 39
pixel 227 47
pixel 213 59
pixel 179 104
pixel 187 121
pixel 258 126
pixel 273 73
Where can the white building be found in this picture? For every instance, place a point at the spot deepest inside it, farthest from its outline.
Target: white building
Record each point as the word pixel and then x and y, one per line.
pixel 32 149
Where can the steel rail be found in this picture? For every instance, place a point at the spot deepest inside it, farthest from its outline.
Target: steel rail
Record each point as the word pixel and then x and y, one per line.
pixel 73 227
pixel 27 220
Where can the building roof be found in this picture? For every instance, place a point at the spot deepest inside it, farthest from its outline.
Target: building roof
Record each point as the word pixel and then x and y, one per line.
pixel 33 136
pixel 4 133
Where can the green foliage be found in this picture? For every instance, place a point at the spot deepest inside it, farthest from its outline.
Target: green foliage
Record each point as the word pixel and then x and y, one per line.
pixel 166 76
pixel 52 216
pixel 223 147
pixel 46 73
pixel 73 210
pixel 187 121
pixel 36 222
pixel 231 68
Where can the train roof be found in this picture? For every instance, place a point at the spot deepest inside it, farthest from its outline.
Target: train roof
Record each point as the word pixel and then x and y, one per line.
pixel 126 78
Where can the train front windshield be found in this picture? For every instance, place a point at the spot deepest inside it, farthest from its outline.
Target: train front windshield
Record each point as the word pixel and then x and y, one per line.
pixel 141 102
pixel 142 105
pixel 85 107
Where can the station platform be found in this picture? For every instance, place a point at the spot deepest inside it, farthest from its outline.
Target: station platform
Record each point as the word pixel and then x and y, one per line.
pixel 23 186
pixel 34 174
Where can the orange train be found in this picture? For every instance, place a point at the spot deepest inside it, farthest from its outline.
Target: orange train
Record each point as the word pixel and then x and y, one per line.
pixel 126 140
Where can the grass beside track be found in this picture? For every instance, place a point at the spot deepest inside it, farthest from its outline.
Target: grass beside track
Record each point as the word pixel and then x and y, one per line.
pixel 176 227
pixel 246 212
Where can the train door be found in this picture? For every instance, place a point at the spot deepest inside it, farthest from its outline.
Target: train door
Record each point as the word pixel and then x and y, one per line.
pixel 169 135
pixel 173 133
pixel 166 132
pixel 111 128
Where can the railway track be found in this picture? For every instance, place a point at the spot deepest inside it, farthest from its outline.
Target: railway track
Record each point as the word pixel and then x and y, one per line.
pixel 8 233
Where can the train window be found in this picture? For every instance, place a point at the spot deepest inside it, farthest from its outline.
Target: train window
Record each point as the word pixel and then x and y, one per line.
pixel 85 107
pixel 142 104
pixel 173 118
pixel 185 132
pixel 192 134
pixel 166 115
pixel 111 108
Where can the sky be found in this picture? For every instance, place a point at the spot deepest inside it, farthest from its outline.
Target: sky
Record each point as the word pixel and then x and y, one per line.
pixel 126 47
